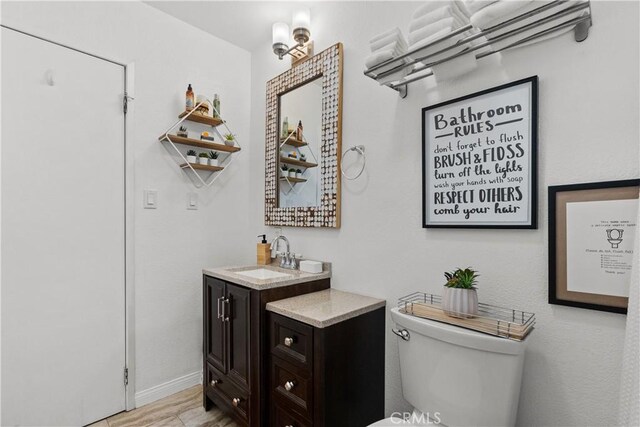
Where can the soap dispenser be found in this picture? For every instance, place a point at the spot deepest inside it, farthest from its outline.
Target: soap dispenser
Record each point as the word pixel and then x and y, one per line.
pixel 264 251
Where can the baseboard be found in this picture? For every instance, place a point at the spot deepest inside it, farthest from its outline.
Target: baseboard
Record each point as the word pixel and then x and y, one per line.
pixel 160 391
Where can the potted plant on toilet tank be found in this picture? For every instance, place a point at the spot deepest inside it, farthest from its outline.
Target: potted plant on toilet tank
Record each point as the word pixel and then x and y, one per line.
pixel 460 298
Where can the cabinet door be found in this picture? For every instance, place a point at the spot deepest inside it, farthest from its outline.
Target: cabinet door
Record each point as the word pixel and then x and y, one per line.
pixel 215 348
pixel 238 334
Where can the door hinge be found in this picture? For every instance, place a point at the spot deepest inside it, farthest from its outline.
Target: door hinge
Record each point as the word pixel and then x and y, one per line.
pixel 125 102
pixel 126 376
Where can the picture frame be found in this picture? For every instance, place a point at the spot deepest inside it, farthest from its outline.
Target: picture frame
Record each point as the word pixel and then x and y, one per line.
pixel 591 243
pixel 479 159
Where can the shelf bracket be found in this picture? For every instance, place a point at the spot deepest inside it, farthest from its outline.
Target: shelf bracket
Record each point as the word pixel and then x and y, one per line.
pixel 581 31
pixel 402 91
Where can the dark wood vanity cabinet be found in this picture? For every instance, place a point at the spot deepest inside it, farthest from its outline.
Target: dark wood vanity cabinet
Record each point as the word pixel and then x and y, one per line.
pixel 332 376
pixel 234 346
pixel 228 345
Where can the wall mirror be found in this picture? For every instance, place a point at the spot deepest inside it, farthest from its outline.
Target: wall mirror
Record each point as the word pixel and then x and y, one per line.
pixel 303 143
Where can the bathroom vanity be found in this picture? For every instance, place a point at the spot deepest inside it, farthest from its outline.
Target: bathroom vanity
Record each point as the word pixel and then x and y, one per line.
pixel 234 333
pixel 326 360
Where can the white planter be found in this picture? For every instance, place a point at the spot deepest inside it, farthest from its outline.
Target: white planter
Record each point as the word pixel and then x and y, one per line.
pixel 192 159
pixel 203 160
pixel 229 142
pixel 214 162
pixel 292 174
pixel 462 303
pixel 298 175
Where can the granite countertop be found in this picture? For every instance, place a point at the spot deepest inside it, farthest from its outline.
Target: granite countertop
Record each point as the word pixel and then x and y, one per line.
pixel 293 277
pixel 325 308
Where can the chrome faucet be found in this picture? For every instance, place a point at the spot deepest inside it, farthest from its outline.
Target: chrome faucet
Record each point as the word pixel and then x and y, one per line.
pixel 287 260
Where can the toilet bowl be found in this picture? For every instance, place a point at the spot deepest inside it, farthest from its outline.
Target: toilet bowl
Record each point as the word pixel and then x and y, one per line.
pixel 456 377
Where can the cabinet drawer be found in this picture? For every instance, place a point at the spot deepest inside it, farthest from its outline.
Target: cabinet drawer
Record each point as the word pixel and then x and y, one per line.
pixel 283 418
pixel 291 340
pixel 219 386
pixel 292 387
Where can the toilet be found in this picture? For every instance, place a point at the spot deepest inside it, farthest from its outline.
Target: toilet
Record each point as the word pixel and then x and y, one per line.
pixel 456 377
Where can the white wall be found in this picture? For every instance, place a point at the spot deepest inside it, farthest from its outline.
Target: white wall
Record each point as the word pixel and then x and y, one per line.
pixel 588 132
pixel 172 244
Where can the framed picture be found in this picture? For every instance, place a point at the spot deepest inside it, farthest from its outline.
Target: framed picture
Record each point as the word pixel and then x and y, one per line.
pixel 592 229
pixel 479 159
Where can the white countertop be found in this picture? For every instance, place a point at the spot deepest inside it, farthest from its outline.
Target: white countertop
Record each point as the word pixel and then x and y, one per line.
pixel 325 308
pixel 293 276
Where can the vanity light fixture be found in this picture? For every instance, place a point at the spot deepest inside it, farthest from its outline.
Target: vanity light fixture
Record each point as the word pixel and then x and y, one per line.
pixel 301 34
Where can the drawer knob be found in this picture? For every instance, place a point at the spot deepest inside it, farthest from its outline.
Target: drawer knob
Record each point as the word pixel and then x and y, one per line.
pixel 214 382
pixel 288 341
pixel 235 401
pixel 289 385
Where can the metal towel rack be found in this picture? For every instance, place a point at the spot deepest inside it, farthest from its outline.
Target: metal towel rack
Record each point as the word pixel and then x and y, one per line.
pixel 420 71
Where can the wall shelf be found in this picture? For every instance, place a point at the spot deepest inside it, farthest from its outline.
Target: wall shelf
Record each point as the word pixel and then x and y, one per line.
pixel 193 116
pixel 296 162
pixel 198 166
pixel 540 23
pixel 292 142
pixel 200 175
pixel 199 143
pixel 292 180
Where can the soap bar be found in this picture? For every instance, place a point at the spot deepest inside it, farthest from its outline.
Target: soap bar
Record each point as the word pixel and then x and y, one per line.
pixel 311 266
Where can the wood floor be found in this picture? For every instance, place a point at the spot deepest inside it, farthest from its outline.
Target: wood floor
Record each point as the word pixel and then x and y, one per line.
pixel 182 409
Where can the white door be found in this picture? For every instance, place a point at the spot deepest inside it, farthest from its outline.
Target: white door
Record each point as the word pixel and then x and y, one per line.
pixel 63 235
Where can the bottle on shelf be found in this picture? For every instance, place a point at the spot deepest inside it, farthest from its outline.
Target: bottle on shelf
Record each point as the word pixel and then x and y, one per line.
pixel 285 127
pixel 190 99
pixel 299 131
pixel 216 106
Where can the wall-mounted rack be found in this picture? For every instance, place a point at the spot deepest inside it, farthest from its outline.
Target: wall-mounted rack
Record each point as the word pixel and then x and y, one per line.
pixel 211 172
pixel 419 67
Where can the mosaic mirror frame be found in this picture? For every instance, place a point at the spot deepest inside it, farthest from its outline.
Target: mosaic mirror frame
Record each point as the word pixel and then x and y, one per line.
pixel 328 66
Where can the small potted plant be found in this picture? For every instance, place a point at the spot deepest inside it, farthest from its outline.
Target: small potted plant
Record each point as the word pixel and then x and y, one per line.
pixel 203 158
pixel 183 132
pixel 213 158
pixel 303 157
pixel 460 298
pixel 292 173
pixel 285 170
pixel 299 173
pixel 229 139
pixel 191 156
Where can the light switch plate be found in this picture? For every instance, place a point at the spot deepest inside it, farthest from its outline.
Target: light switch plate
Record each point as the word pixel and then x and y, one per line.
pixel 150 200
pixel 192 201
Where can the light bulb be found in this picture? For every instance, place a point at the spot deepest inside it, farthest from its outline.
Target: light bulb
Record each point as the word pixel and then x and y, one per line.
pixel 280 33
pixel 302 19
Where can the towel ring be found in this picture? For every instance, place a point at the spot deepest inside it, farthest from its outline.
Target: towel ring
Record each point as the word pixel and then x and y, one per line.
pixel 358 149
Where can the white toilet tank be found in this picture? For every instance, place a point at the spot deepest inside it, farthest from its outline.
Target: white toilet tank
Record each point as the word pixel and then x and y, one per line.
pixel 461 377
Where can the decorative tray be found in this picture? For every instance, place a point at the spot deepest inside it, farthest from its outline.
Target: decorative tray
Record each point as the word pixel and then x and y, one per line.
pixel 498 321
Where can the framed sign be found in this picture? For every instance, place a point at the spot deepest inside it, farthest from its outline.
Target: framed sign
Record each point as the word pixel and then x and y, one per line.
pixel 479 157
pixel 592 231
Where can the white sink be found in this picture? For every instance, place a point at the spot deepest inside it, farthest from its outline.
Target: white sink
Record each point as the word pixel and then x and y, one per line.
pixel 263 274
